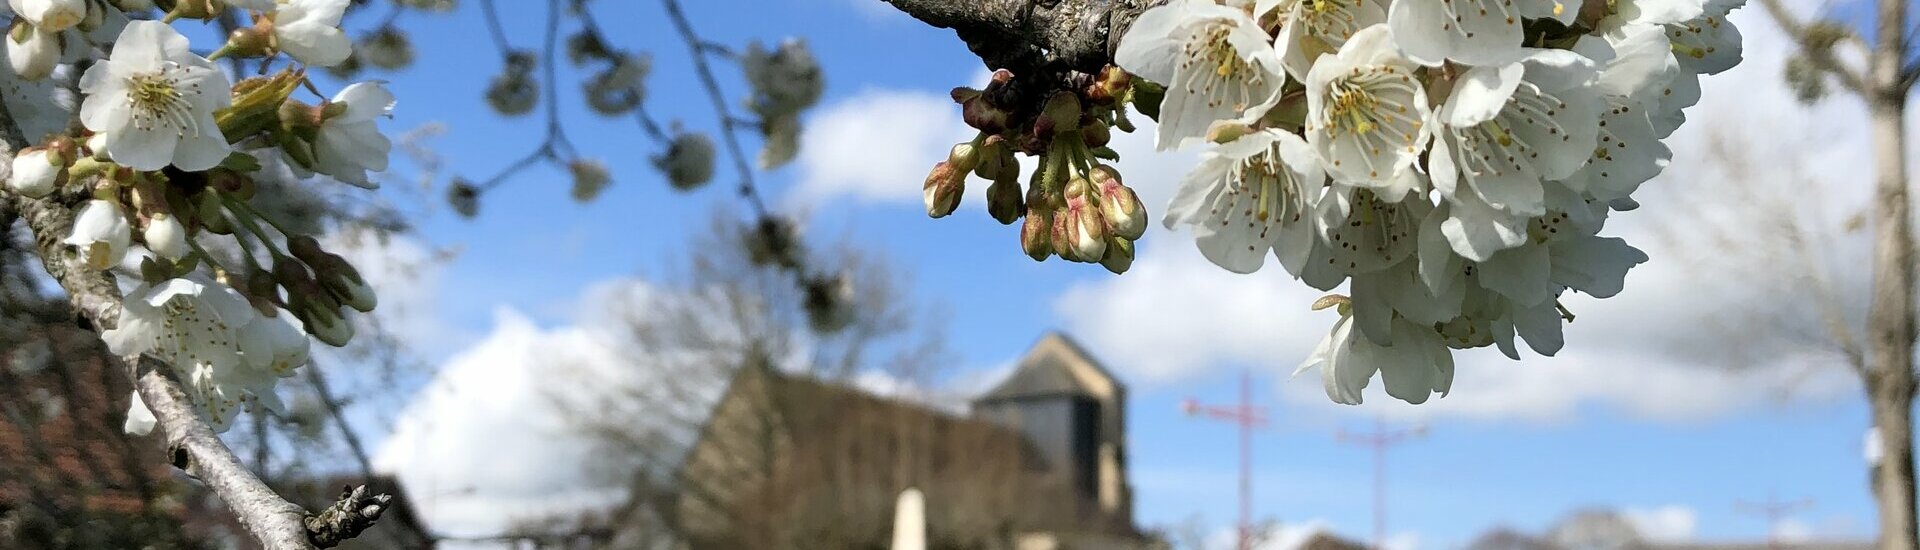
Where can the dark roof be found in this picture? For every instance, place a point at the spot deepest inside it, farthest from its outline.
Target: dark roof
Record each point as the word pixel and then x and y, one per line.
pixel 1329 541
pixel 810 403
pixel 1504 538
pixel 1041 373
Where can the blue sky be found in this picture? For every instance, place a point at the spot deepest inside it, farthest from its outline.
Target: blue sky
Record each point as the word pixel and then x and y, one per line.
pixel 1623 418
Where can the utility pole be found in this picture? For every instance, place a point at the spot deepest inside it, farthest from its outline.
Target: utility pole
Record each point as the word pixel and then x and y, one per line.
pixel 1379 440
pixel 1773 510
pixel 1247 416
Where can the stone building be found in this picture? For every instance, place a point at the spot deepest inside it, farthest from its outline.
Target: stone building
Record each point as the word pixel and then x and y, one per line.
pixel 787 461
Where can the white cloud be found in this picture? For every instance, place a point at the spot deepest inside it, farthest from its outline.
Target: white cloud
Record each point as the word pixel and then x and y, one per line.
pixel 876 10
pixel 876 146
pixel 484 444
pixel 1792 530
pixel 1666 524
pixel 499 434
pixel 1649 351
pixel 1174 314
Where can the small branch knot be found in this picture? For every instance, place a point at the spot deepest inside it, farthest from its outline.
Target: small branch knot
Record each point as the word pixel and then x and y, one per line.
pixel 346 518
pixel 180 458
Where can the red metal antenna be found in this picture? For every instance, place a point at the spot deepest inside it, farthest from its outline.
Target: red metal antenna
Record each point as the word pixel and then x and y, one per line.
pixel 1247 416
pixel 1773 510
pixel 1380 440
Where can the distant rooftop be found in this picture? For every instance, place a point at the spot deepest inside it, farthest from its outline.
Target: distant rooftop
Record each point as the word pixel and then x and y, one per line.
pixel 1048 369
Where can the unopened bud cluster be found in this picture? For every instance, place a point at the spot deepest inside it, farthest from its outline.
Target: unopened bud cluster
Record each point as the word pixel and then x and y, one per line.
pixel 1075 205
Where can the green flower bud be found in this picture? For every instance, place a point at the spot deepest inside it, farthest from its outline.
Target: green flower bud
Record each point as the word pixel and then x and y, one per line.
pixel 1004 200
pixel 1036 234
pixel 1119 256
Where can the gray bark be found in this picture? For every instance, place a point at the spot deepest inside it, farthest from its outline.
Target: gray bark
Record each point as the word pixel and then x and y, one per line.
pixel 1078 35
pixel 272 521
pixel 1890 321
pixel 1888 373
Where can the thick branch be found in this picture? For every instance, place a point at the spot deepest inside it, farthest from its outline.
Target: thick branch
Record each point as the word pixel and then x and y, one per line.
pixel 273 521
pixel 269 518
pixel 1020 34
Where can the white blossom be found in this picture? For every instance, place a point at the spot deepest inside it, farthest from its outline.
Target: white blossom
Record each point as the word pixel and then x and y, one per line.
pixel 194 325
pixel 309 30
pixel 1469 32
pixel 166 237
pixel 780 141
pixel 1456 220
pixel 34 174
pixel 1364 232
pixel 1413 366
pixel 154 99
pixel 50 15
pixel 350 144
pixel 785 80
pixel 1649 12
pixel 274 344
pixel 1536 273
pixel 1249 196
pixel 1709 43
pixel 1637 66
pixel 1308 29
pixel 1215 61
pixel 33 53
pixel 1366 113
pixel 1509 128
pixel 101 234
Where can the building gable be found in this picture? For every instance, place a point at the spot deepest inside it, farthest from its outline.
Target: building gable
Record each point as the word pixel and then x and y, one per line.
pixel 1055 366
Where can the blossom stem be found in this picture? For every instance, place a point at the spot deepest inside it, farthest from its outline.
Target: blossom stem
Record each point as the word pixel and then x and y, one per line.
pixel 215 260
pixel 243 213
pixel 264 217
pixel 246 248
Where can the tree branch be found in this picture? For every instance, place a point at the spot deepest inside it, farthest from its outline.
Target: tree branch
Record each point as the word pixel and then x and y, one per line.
pixel 1022 34
pixel 401 510
pixel 1852 78
pixel 273 521
pixel 1909 75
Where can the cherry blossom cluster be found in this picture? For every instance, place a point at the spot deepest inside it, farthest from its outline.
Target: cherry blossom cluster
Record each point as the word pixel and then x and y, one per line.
pixel 161 170
pixel 1452 162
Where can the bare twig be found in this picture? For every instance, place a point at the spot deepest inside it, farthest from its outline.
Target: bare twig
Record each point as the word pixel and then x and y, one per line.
pixel 720 109
pixel 354 512
pixel 1852 77
pixel 335 410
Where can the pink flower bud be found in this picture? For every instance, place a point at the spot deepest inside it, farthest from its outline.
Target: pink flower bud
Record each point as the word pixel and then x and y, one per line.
pixel 943 188
pixel 1036 234
pixel 1119 204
